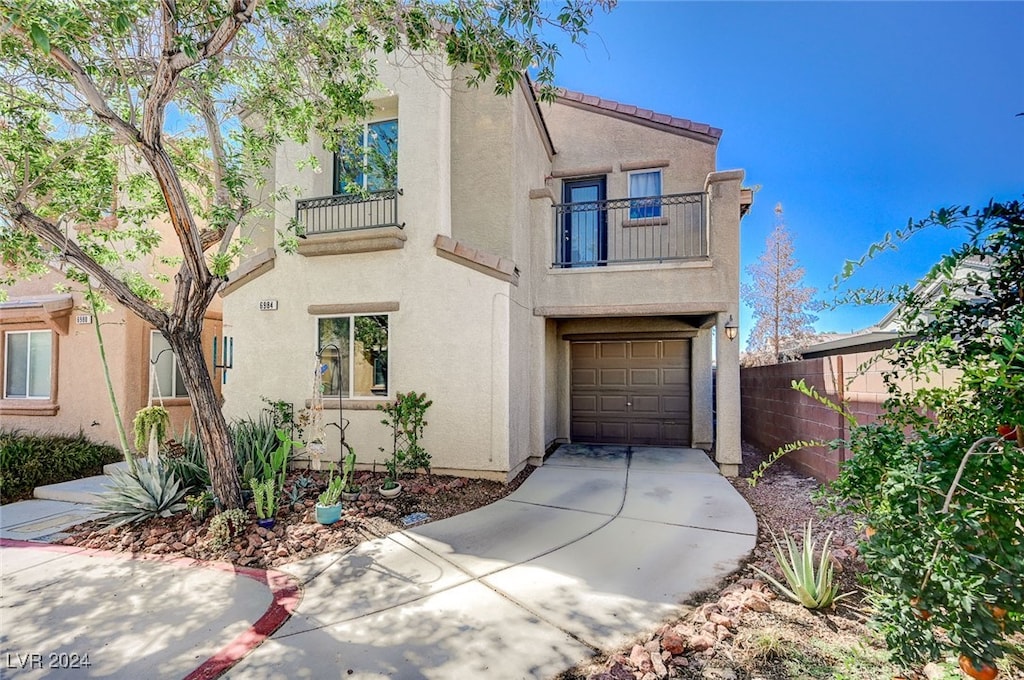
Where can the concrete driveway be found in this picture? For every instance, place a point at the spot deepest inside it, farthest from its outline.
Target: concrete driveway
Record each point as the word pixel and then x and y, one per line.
pixel 599 545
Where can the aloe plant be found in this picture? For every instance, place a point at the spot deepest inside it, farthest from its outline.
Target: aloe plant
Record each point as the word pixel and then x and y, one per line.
pixel 148 491
pixel 813 587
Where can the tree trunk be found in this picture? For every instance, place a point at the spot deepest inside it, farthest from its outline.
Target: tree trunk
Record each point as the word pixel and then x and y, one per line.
pixel 210 423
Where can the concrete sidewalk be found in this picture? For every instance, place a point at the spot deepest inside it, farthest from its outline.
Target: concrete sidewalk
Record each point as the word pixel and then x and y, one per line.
pixel 599 545
pixel 74 613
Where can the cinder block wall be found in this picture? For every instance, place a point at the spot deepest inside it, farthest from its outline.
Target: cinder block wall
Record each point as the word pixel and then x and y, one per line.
pixel 775 414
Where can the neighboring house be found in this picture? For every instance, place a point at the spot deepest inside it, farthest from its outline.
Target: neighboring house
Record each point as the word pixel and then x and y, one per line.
pixel 544 272
pixel 52 375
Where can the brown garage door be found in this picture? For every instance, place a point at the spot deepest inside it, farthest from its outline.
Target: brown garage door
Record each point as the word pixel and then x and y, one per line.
pixel 631 392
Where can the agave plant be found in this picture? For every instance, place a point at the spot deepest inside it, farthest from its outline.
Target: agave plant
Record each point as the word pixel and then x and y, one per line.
pixel 813 587
pixel 148 491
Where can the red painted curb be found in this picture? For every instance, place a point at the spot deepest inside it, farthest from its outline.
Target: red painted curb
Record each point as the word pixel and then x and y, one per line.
pixel 286 593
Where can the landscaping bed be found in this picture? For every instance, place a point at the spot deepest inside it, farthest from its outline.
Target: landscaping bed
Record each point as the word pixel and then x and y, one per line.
pixel 296 534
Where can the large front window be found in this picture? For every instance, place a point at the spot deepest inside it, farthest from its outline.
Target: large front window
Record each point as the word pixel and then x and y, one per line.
pixel 354 350
pixel 27 364
pixel 371 161
pixel 166 379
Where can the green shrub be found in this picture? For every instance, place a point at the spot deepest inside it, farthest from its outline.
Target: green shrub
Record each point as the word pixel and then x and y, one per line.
pixel 150 491
pixel 187 461
pixel 226 525
pixel 31 460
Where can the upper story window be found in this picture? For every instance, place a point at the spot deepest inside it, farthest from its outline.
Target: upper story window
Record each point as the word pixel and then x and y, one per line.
pixel 373 164
pixel 166 381
pixel 28 364
pixel 359 373
pixel 644 194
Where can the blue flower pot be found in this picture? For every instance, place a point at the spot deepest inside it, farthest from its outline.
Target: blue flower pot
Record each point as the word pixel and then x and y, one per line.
pixel 328 514
pixel 266 523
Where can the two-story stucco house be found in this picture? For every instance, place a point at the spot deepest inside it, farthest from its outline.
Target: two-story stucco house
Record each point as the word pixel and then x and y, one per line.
pixel 50 366
pixel 545 272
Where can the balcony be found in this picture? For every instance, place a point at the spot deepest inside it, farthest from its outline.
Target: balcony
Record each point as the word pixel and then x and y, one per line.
pixel 334 225
pixel 347 212
pixel 630 231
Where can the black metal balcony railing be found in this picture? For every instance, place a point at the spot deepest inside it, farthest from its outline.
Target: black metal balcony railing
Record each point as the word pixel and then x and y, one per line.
pixel 630 230
pixel 326 214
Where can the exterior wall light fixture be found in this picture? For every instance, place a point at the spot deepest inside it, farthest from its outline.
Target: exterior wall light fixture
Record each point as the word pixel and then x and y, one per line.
pixel 732 329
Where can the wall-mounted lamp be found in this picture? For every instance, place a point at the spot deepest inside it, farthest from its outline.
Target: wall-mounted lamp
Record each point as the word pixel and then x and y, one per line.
pixel 732 329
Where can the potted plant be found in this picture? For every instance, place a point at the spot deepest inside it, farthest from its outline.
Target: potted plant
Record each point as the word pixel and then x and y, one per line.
pixel 390 488
pixel 328 503
pixel 199 505
pixel 265 495
pixel 151 425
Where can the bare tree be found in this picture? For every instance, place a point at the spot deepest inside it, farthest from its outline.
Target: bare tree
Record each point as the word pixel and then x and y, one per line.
pixel 781 305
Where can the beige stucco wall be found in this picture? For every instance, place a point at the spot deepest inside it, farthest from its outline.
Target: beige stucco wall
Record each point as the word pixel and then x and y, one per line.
pixel 449 335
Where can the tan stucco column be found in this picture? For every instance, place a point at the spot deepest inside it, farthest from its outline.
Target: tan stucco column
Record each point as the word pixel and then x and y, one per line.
pixel 728 454
pixel 700 391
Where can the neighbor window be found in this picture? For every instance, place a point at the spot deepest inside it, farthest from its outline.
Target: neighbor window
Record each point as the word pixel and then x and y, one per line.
pixel 372 162
pixel 354 352
pixel 28 364
pixel 166 381
pixel 644 194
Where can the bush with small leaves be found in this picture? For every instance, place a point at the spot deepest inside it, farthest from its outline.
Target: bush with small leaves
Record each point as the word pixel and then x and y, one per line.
pixel 227 525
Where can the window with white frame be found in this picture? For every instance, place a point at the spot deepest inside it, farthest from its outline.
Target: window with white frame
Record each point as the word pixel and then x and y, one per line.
pixel 371 162
pixel 166 381
pixel 28 362
pixel 354 350
pixel 644 194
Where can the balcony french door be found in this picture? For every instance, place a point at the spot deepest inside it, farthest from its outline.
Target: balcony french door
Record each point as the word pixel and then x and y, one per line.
pixel 584 237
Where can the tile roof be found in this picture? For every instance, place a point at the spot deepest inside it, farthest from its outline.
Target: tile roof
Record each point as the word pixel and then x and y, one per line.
pixel 630 111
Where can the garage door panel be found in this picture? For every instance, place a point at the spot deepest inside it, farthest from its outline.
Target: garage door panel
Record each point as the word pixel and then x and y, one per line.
pixel 645 349
pixel 631 392
pixel 583 350
pixel 614 431
pixel 584 404
pixel 647 404
pixel 584 377
pixel 584 430
pixel 675 403
pixel 675 376
pixel 612 350
pixel 613 403
pixel 644 376
pixel 613 377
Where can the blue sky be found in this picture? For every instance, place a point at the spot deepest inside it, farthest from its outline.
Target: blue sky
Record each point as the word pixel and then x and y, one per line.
pixel 855 116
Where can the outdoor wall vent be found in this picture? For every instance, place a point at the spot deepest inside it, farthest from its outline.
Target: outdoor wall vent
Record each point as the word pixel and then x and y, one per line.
pixel 268 305
pixel 83 319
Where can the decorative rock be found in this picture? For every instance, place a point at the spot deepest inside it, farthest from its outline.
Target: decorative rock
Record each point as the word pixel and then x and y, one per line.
pixel 658 666
pixel 701 642
pixel 618 671
pixel 721 620
pixel 653 647
pixel 719 674
pixel 755 601
pixel 179 546
pixel 282 552
pixel 673 643
pixel 640 658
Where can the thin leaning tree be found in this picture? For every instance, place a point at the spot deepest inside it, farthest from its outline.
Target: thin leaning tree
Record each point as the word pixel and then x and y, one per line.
pixel 117 114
